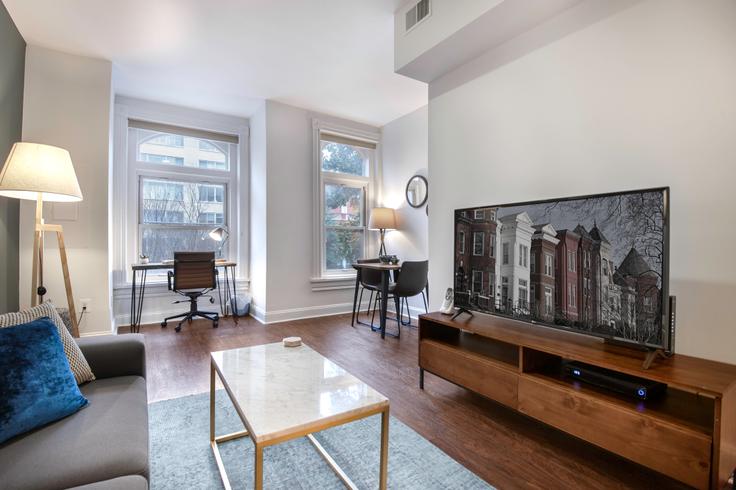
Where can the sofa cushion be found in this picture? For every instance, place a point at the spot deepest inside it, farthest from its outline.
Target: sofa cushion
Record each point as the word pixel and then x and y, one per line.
pixel 36 385
pixel 106 440
pixel 80 368
pixel 131 482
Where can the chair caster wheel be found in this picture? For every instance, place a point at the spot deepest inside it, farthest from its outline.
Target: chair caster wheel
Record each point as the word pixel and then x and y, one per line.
pixel 214 325
pixel 163 324
pixel 178 328
pixel 212 301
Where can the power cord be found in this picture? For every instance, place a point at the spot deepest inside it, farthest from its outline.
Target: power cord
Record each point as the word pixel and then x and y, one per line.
pixel 81 315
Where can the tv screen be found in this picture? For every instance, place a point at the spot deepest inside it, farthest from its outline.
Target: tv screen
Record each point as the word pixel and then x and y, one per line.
pixel 593 264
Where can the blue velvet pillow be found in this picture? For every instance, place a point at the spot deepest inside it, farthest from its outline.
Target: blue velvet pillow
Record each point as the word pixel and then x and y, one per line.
pixel 36 384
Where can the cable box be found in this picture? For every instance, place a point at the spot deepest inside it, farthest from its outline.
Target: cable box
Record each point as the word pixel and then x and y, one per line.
pixel 631 386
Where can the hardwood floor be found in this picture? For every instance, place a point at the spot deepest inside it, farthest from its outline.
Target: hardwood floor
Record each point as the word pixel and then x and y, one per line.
pixel 504 448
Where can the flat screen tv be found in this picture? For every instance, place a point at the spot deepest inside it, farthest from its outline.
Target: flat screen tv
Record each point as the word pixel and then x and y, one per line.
pixel 596 265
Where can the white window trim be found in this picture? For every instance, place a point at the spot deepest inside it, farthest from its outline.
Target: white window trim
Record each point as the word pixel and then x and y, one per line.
pixel 322 281
pixel 125 182
pixel 461 239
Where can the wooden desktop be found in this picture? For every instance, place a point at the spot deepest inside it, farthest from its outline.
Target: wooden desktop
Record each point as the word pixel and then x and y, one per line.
pixel 689 434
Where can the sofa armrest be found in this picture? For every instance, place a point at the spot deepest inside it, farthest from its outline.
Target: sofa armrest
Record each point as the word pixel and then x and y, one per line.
pixel 110 356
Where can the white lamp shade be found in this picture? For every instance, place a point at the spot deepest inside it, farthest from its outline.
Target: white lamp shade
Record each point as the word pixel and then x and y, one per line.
pixel 218 234
pixel 382 219
pixel 33 168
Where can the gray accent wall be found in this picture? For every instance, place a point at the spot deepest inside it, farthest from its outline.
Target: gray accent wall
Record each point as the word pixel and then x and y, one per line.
pixel 12 63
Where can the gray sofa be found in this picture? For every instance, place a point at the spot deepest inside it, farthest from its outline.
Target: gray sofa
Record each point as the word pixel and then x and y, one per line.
pixel 104 445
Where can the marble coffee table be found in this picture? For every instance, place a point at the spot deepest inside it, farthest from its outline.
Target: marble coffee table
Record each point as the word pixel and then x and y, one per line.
pixel 281 393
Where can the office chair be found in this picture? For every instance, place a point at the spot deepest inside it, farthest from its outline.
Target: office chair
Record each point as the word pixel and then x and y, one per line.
pixel 193 271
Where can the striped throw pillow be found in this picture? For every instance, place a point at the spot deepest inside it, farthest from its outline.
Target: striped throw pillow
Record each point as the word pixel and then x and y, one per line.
pixel 77 362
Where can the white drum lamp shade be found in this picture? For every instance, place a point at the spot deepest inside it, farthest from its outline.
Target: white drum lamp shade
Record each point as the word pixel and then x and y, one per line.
pixel 32 169
pixel 382 219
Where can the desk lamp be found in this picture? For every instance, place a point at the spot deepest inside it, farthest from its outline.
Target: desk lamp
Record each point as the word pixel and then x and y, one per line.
pixel 382 219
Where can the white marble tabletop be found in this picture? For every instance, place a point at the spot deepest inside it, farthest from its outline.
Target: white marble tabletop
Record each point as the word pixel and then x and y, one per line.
pixel 283 391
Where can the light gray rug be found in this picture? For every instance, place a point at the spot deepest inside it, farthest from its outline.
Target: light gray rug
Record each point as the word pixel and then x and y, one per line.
pixel 181 456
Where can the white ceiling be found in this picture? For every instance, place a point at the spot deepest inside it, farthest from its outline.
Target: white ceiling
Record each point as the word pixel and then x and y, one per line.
pixel 333 56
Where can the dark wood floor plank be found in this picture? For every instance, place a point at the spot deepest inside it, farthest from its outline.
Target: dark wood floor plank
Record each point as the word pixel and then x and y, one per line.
pixel 506 449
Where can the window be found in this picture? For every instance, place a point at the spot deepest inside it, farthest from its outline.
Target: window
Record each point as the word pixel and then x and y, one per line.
pixel 479 214
pixel 523 300
pixel 179 200
pixel 157 144
pixel 505 253
pixel 548 268
pixel 533 263
pixel 571 293
pixel 345 177
pixel 493 245
pixel 571 260
pixel 461 242
pixel 173 217
pixel 478 239
pixel 548 300
pixel 493 215
pixel 523 255
pixel 605 267
pixel 211 193
pixel 477 285
pixel 213 164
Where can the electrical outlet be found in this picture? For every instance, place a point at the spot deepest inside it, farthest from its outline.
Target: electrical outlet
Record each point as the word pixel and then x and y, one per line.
pixel 84 303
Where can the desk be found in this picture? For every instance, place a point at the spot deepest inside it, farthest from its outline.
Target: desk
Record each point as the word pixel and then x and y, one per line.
pixel 386 270
pixel 136 304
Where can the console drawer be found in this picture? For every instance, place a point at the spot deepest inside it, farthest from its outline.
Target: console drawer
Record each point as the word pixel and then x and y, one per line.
pixel 676 451
pixel 487 377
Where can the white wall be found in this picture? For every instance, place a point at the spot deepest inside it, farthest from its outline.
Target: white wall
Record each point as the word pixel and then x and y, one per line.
pixel 285 170
pixel 643 98
pixel 258 210
pixel 405 154
pixel 67 103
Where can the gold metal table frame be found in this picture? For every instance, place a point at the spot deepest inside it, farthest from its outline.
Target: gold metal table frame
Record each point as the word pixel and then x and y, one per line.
pixel 296 433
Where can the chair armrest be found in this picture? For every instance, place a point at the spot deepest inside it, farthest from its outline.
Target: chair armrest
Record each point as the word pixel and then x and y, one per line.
pixel 169 276
pixel 110 356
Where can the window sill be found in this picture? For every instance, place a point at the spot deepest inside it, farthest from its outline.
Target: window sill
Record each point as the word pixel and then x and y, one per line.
pixel 331 283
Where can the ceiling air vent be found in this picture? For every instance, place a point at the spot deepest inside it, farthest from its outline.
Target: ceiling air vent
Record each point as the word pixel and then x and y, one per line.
pixel 416 14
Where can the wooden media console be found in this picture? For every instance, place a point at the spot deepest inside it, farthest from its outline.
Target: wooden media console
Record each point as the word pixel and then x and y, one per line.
pixel 689 434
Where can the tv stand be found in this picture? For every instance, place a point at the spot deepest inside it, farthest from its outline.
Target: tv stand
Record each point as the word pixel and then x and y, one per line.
pixel 688 434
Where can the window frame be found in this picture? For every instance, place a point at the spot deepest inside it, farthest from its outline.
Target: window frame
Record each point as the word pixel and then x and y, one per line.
pixel 194 175
pixel 323 279
pixel 461 241
pixel 126 175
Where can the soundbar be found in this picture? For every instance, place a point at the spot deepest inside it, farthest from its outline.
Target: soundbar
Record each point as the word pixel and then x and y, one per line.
pixel 641 389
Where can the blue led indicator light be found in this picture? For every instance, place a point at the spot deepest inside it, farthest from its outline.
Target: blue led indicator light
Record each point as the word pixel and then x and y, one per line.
pixel 642 392
pixel 576 372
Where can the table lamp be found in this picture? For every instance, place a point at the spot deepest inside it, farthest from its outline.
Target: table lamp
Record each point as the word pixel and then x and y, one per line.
pixel 382 219
pixel 219 234
pixel 43 173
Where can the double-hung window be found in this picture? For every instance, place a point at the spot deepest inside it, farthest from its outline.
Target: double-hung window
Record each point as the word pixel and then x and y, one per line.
pixel 184 180
pixel 346 172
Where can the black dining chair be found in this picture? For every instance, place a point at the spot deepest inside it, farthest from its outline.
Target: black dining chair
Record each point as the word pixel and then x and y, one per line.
pixel 194 276
pixel 411 281
pixel 370 279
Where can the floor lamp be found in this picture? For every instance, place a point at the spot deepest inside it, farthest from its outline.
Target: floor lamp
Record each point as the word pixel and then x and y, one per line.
pixel 43 173
pixel 382 219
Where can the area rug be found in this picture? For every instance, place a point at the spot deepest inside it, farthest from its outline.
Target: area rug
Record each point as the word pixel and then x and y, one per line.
pixel 181 457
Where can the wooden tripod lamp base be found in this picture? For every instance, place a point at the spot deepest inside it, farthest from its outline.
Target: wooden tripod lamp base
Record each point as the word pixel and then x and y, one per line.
pixel 36 172
pixel 37 288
